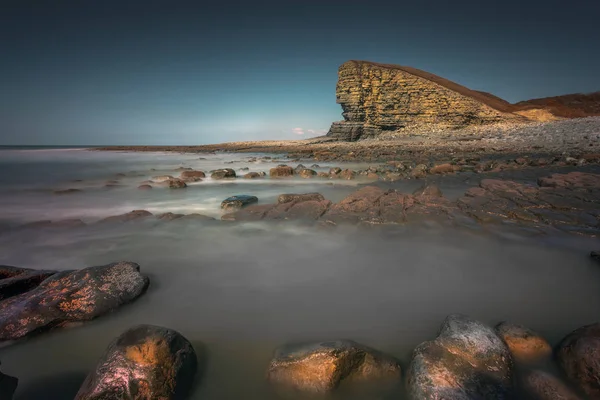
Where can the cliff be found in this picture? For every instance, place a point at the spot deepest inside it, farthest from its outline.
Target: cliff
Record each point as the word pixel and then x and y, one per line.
pixel 568 106
pixel 376 98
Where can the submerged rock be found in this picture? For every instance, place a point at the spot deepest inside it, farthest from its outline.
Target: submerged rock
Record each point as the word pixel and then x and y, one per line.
pixel 306 173
pixel 144 363
pixel 281 171
pixel 524 344
pixel 71 296
pixel 169 216
pixel 192 176
pixel 130 216
pixel 145 187
pixel 177 184
pixel 14 280
pixel 237 202
pixel 578 355
pixel 224 173
pixel 319 368
pixel 162 178
pixel 541 385
pixel 466 361
pixel 8 385
pixel 252 175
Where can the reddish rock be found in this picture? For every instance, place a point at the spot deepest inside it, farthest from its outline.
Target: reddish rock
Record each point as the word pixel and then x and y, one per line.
pixel 418 172
pixel 306 173
pixel 252 175
pixel 193 176
pixel 130 216
pixel 287 198
pixel 71 296
pixel 281 172
pixel 250 213
pixel 373 176
pixel 177 184
pixel 347 174
pixel 323 175
pixel 428 191
pixel 525 345
pixel 571 180
pixel 442 169
pixel 578 355
pixel 310 209
pixel 145 362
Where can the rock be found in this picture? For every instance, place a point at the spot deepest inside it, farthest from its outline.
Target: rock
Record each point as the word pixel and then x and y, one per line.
pixel 226 173
pixel 541 385
pixel 578 355
pixel 250 213
pixel 67 191
pixel 192 176
pixel 303 210
pixel 252 175
pixel 130 216
pixel 306 173
pixel 169 216
pixel 335 171
pixel 299 168
pixel 14 280
pixel 466 361
pixel 524 344
pixel 381 98
pixel 323 175
pixel 8 386
pixel 319 368
pixel 373 176
pixel 162 178
pixel 237 202
pixel 442 169
pixel 428 191
pixel 144 187
pixel 420 171
pixel 571 180
pixel 177 184
pixel 196 217
pixel 297 198
pixel 281 171
pixel 71 296
pixel 145 362
pixel 347 174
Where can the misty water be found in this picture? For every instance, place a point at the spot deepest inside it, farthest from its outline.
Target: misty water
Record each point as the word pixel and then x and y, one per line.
pixel 237 291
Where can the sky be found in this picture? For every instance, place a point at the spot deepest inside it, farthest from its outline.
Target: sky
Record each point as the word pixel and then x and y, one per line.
pixel 181 72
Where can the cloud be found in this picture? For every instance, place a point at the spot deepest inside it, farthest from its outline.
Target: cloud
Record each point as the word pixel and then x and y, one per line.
pixel 302 131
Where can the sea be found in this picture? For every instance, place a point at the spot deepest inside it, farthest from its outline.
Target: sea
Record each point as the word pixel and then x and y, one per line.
pixel 237 291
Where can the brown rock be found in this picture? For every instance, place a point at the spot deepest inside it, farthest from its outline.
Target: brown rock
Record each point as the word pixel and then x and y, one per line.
pixel 308 210
pixel 225 173
pixel 252 175
pixel 319 368
pixel 543 386
pixel 428 191
pixel 177 184
pixel 281 172
pixel 162 178
pixel 70 296
pixel 130 216
pixel 169 216
pixel 372 175
pixel 14 280
pixel 323 175
pixel 306 173
pixel 571 180
pixel 442 169
pixel 524 344
pixel 250 213
pixel 191 175
pixel 347 174
pixel 144 187
pixel 291 197
pixel 578 355
pixel 146 362
pixel 418 172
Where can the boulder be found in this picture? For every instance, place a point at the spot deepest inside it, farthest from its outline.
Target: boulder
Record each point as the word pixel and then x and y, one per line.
pixel 578 355
pixel 14 280
pixel 524 344
pixel 192 176
pixel 306 173
pixel 418 172
pixel 177 184
pixel 225 173
pixel 250 213
pixel 442 169
pixel 306 210
pixel 130 216
pixel 169 216
pixel 8 385
pixel 71 296
pixel 145 187
pixel 162 178
pixel 541 385
pixel 289 197
pixel 146 362
pixel 237 202
pixel 319 368
pixel 281 171
pixel 467 360
pixel 347 174
pixel 252 175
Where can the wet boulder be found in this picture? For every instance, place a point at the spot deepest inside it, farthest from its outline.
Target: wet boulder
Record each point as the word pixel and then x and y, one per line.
pixel 467 360
pixel 281 171
pixel 306 173
pixel 524 344
pixel 237 202
pixel 578 355
pixel 293 197
pixel 14 280
pixel 320 368
pixel 144 363
pixel 71 296
pixel 177 184
pixel 541 385
pixel 347 174
pixel 162 178
pixel 8 385
pixel 252 175
pixel 225 173
pixel 442 169
pixel 192 176
pixel 251 213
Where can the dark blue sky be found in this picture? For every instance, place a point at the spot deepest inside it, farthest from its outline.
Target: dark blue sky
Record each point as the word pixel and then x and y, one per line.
pixel 172 72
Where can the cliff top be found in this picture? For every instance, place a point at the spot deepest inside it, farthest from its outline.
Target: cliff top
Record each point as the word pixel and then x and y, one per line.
pixel 483 97
pixel 567 106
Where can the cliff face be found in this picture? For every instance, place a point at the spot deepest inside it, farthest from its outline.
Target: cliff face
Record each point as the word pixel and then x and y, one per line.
pixel 377 97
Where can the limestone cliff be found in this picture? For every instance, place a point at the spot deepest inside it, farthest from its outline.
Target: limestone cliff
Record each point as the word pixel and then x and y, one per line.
pixel 376 98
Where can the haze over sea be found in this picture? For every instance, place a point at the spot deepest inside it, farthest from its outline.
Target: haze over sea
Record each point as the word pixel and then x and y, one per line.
pixel 243 289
